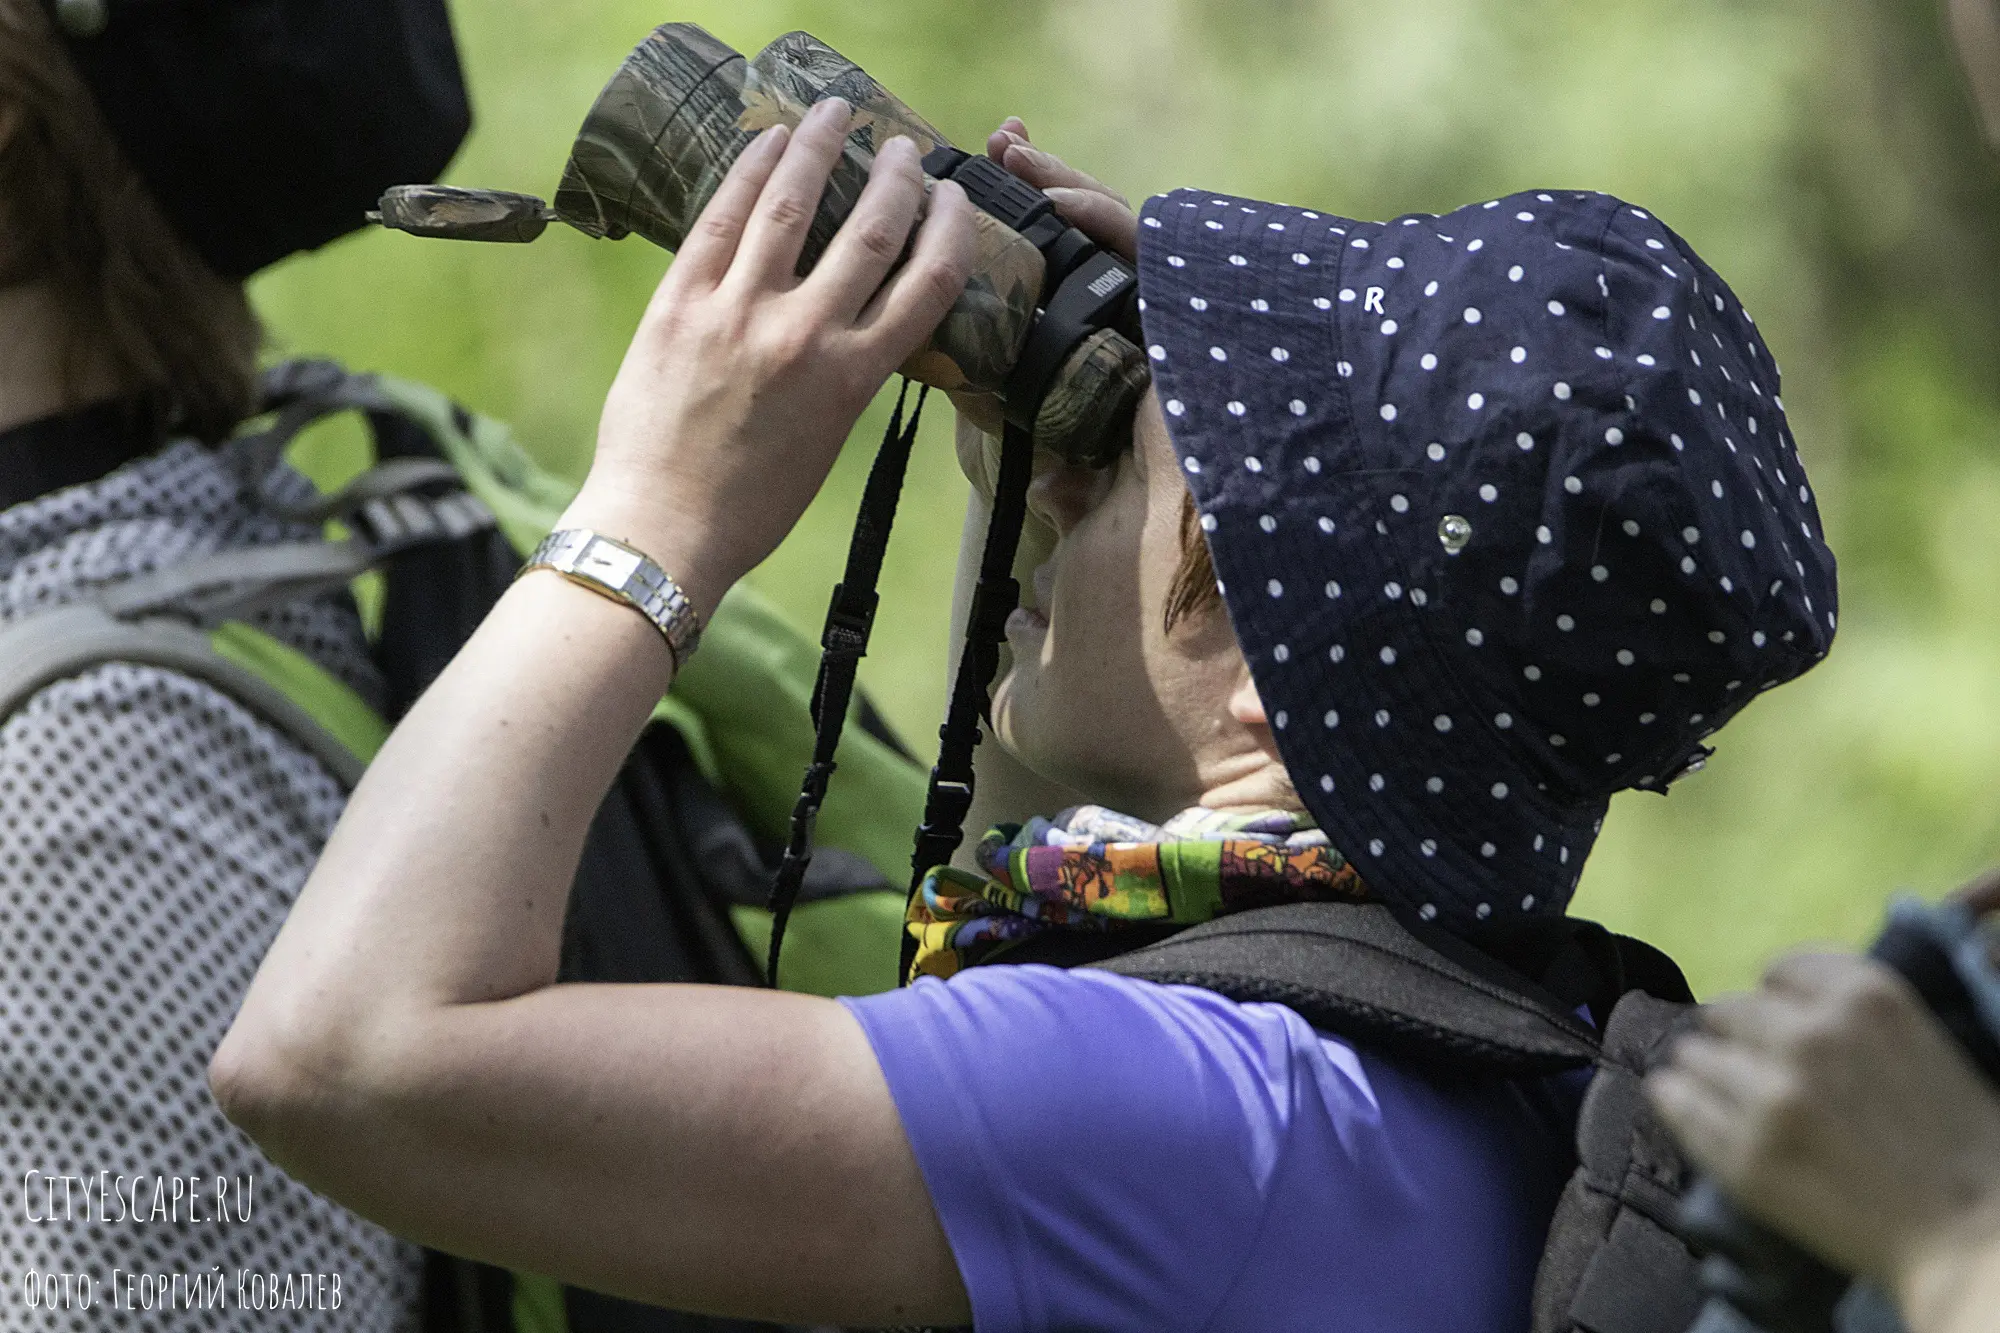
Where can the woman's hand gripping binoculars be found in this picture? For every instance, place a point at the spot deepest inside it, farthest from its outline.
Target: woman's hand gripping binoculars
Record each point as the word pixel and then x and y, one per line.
pixel 1094 209
pixel 1045 328
pixel 1037 334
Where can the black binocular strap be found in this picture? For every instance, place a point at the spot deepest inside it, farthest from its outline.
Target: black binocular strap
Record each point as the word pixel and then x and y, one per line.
pixel 843 643
pixel 993 600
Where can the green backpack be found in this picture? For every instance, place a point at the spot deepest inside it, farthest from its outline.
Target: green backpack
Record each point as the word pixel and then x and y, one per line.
pixel 675 871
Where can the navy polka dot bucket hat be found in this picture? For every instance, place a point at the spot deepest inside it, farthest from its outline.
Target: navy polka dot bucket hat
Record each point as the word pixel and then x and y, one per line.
pixel 1505 510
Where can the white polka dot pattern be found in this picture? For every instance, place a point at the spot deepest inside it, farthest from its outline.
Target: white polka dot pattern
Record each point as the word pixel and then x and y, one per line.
pixel 1560 377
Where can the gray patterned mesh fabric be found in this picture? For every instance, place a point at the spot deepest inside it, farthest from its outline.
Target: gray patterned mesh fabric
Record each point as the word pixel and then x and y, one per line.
pixel 152 835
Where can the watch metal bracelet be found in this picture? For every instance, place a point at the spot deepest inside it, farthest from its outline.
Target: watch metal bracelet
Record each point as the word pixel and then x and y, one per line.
pixel 610 568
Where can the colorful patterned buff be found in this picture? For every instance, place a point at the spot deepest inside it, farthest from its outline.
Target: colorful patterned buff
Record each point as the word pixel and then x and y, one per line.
pixel 1094 869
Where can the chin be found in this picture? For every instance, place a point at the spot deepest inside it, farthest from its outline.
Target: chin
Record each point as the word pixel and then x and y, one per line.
pixel 1023 730
pixel 1048 746
pixel 1013 716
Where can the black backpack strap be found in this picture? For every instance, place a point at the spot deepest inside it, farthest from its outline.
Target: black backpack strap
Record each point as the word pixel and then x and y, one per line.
pixel 850 619
pixel 994 598
pixel 1452 1009
pixel 1613 1262
pixel 1578 962
pixel 1356 970
pixel 460 1296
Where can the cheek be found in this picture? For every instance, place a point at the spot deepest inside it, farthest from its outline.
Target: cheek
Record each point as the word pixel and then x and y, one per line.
pixel 1101 700
pixel 1063 708
pixel 1114 571
pixel 1095 648
pixel 1106 648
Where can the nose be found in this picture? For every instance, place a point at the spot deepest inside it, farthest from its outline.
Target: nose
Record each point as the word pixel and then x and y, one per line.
pixel 1062 493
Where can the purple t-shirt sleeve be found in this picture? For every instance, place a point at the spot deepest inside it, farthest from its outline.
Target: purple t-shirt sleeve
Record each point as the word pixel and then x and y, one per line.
pixel 1111 1154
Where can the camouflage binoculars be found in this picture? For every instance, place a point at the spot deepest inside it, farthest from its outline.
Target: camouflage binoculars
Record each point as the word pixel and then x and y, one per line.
pixel 1047 325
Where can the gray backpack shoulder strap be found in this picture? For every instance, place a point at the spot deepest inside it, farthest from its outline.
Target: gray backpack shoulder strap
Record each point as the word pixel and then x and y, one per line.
pixel 163 618
pixel 48 646
pixel 1354 970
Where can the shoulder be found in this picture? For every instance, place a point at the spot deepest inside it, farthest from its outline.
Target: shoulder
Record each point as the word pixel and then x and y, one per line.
pixel 1190 1059
pixel 1098 1030
pixel 180 504
pixel 125 761
pixel 1109 1152
pixel 1088 1010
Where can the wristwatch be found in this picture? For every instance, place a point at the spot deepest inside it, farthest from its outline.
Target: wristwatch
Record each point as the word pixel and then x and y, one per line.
pixel 610 568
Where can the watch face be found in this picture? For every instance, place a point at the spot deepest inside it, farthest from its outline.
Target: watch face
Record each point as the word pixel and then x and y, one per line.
pixel 603 561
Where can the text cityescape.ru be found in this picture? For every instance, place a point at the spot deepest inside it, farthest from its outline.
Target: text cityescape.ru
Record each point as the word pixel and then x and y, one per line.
pixel 48 1197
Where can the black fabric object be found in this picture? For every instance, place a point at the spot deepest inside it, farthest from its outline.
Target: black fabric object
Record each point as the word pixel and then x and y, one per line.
pixel 648 834
pixel 850 619
pixel 1373 975
pixel 434 596
pixel 266 127
pixel 1613 1262
pixel 460 1296
pixel 594 1312
pixel 994 597
pixel 1505 510
pixel 1351 969
pixel 73 448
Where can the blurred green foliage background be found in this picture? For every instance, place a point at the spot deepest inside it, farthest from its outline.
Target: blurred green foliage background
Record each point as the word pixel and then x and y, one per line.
pixel 1821 154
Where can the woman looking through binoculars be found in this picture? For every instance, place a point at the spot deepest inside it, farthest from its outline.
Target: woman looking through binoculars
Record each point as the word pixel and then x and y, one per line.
pixel 1414 687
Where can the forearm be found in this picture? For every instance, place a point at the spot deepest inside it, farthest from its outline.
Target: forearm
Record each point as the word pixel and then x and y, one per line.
pixel 403 1050
pixel 402 1047
pixel 447 879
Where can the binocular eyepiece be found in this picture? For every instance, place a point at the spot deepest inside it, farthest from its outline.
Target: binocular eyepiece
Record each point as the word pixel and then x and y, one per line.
pixel 1048 322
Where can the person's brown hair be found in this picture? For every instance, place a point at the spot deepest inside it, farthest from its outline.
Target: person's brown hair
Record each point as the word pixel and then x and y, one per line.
pixel 1193 588
pixel 75 214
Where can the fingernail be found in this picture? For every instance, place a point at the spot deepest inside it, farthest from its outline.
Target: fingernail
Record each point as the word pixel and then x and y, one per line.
pixel 831 108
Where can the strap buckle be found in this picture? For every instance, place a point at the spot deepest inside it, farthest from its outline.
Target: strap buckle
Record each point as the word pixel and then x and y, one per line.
pixel 850 618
